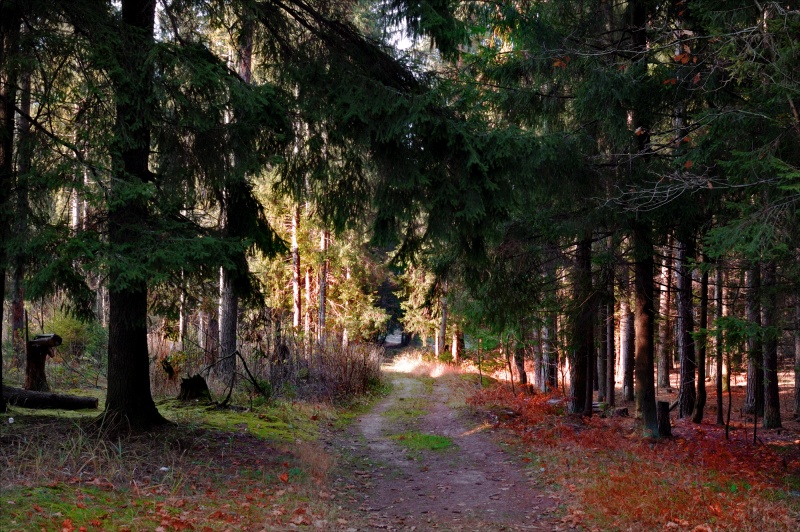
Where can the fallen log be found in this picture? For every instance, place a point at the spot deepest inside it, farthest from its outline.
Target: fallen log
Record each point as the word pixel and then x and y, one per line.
pixel 31 399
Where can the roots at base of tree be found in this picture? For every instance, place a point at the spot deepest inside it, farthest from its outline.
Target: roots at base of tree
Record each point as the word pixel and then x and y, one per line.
pixel 33 399
pixel 112 423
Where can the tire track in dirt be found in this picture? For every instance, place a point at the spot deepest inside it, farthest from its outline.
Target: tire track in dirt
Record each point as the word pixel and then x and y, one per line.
pixel 474 485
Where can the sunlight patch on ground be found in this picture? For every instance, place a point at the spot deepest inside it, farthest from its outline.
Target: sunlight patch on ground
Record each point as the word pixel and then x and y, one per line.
pixel 476 430
pixel 414 364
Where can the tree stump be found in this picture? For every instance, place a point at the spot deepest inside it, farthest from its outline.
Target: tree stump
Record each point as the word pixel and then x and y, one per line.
pixel 194 387
pixel 662 415
pixel 37 351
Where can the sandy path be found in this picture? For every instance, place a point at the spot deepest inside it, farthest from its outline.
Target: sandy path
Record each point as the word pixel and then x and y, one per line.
pixel 473 485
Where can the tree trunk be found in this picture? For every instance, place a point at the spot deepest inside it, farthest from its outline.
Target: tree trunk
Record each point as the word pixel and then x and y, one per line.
pixel 700 404
pixel 718 347
pixel 9 37
pixel 602 361
pixel 769 313
pixel 24 156
pixel 307 314
pixel 519 360
pixel 35 376
pixel 754 399
pixel 228 318
pixel 32 399
pixel 296 301
pixel 662 413
pixel 128 397
pixel 643 288
pixel 550 352
pixel 686 346
pixel 665 325
pixel 457 345
pixel 627 337
pixel 797 358
pixel 323 285
pixel 582 331
pixel 441 337
pixel 610 354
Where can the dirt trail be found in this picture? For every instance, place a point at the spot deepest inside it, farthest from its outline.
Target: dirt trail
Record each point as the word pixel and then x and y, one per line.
pixel 472 485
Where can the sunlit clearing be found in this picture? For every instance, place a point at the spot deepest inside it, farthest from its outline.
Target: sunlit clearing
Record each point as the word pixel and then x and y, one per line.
pixel 415 364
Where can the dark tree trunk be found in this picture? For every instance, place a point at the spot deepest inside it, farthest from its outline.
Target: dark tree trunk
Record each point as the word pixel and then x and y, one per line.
pixel 627 336
pixel 519 360
pixel 718 348
pixel 664 427
pixel 129 399
pixel 550 352
pixel 32 399
pixel 700 404
pixel 686 345
pixel 35 377
pixel 10 18
pixel 754 399
pixel 645 311
pixel 665 325
pixel 582 331
pixel 769 313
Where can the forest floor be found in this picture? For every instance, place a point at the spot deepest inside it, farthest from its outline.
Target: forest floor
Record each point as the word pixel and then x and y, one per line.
pixel 431 450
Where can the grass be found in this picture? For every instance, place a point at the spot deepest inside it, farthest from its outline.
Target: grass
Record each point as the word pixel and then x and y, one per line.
pixel 212 469
pixel 418 441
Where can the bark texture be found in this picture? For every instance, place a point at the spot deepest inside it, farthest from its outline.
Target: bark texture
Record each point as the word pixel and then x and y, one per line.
pixel 645 313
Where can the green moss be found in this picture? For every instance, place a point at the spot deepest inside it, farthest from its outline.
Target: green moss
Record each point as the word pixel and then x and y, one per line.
pixel 407 409
pixel 418 441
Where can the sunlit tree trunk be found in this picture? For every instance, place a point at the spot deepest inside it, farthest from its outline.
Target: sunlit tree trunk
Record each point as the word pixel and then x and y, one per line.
pixel 769 315
pixel 296 281
pixel 441 337
pixel 323 285
pixel 307 314
pixel 797 357
pixel 519 360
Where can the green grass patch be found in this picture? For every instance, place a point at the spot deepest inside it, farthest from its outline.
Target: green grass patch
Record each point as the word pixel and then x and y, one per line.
pixel 407 409
pixel 418 441
pixel 474 378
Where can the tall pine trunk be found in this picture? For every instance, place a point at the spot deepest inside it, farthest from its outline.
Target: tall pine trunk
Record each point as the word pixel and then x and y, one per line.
pixel 718 347
pixel 769 313
pixel 24 155
pixel 665 325
pixel 10 19
pixel 323 285
pixel 610 353
pixel 686 346
pixel 754 398
pixel 627 336
pixel 645 312
pixel 550 352
pixel 296 301
pixel 700 403
pixel 797 357
pixel 602 346
pixel 582 331
pixel 128 398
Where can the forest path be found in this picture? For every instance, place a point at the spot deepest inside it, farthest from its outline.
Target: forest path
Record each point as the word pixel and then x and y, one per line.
pixel 472 484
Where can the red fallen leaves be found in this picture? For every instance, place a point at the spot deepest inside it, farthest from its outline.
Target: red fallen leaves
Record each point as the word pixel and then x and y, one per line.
pixel 284 477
